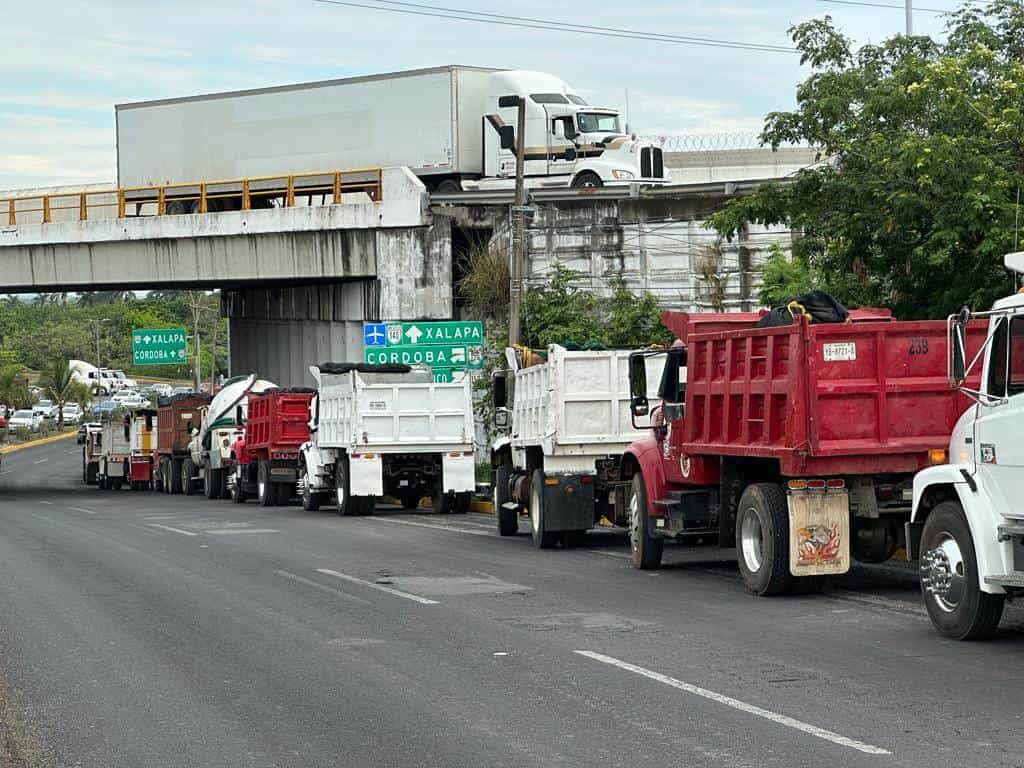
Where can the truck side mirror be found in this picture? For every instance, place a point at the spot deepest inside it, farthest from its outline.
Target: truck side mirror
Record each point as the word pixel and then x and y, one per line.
pixel 501 418
pixel 559 129
pixel 499 389
pixel 957 350
pixel 638 403
pixel 149 422
pixel 569 129
pixel 507 135
pixel 238 414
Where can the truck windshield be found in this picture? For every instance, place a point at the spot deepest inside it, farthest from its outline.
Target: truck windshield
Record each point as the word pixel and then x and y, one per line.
pixel 597 122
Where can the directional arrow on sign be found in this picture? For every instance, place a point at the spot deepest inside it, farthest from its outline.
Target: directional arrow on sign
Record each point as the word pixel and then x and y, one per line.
pixel 147 338
pixel 414 334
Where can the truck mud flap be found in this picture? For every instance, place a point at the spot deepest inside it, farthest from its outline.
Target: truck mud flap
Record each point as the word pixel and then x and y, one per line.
pixel 569 503
pixel 819 532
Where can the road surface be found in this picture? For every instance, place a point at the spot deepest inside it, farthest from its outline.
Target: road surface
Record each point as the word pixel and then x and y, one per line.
pixel 139 629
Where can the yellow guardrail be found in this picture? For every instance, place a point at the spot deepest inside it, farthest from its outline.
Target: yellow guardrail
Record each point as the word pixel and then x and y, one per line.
pixel 196 197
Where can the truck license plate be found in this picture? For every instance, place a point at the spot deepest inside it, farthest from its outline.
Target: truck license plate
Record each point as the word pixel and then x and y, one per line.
pixel 840 351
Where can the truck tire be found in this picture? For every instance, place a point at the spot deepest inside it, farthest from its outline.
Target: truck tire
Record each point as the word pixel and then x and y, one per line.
pixel 461 502
pixel 587 179
pixel 411 499
pixel 347 506
pixel 762 539
pixel 284 493
pixel 188 471
pixel 266 492
pixel 85 472
pixel 542 538
pixel 961 611
pixel 238 494
pixel 508 519
pixel 645 550
pixel 174 477
pixel 211 483
pixel 366 505
pixel 310 500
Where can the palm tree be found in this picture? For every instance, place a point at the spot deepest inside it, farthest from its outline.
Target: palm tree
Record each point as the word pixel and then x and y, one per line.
pixel 59 383
pixel 13 389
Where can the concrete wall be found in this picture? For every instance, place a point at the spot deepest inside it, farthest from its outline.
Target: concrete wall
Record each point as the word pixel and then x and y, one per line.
pixel 738 164
pixel 662 247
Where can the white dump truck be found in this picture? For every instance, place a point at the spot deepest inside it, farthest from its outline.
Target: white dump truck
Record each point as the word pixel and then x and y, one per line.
pixel 570 423
pixel 446 124
pixel 127 448
pixel 391 430
pixel 967 527
pixel 115 453
pixel 209 465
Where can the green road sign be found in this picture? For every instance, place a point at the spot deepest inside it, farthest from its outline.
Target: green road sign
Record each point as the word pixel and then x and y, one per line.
pixel 159 346
pixel 449 345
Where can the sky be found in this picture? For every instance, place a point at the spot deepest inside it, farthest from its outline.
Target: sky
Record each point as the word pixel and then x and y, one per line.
pixel 65 63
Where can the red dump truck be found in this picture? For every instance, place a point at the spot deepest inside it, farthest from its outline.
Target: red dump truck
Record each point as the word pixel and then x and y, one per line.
pixel 177 417
pixel 267 455
pixel 796 444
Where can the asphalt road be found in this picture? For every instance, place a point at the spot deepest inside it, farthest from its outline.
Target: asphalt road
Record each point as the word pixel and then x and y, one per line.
pixel 138 629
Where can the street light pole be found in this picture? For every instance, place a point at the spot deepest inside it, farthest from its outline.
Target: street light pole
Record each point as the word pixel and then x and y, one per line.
pixel 518 265
pixel 909 11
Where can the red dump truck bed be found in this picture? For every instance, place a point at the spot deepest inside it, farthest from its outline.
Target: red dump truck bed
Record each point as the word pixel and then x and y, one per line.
pixel 864 397
pixel 277 421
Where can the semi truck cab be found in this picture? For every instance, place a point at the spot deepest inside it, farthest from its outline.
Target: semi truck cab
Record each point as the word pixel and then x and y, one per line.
pixel 967 525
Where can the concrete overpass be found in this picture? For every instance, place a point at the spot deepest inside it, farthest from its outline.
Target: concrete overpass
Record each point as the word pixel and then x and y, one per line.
pixel 296 282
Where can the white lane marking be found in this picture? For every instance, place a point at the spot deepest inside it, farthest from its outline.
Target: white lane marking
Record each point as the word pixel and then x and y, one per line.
pixel 742 706
pixel 47 503
pixel 609 553
pixel 381 587
pixel 172 530
pixel 160 517
pixel 233 531
pixel 40 461
pixel 82 509
pixel 429 525
pixel 321 587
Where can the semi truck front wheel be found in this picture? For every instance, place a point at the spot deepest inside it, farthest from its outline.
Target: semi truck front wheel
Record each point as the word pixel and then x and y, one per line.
pixel 762 539
pixel 949 577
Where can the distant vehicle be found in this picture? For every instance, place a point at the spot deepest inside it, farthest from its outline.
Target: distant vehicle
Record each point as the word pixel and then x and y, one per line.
pixel 124 394
pixel 71 411
pixel 181 391
pixel 159 389
pixel 102 381
pixel 84 428
pixel 24 418
pixel 134 402
pixel 105 406
pixel 44 408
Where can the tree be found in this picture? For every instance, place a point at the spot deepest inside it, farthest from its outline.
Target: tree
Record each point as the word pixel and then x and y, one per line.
pixel 914 202
pixel 13 388
pixel 59 384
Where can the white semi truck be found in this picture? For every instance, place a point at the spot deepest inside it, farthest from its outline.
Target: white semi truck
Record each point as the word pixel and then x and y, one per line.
pixel 569 424
pixel 967 527
pixel 379 430
pixel 445 124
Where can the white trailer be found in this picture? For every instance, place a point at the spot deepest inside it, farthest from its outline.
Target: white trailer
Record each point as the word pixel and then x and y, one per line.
pixel 570 424
pixel 967 528
pixel 444 124
pixel 391 430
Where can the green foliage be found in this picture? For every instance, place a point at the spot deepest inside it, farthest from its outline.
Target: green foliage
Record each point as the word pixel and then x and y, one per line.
pixel 914 203
pixel 784 277
pixel 13 388
pixel 34 334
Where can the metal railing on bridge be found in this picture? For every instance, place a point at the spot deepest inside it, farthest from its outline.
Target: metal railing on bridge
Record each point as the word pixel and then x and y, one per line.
pixel 257 192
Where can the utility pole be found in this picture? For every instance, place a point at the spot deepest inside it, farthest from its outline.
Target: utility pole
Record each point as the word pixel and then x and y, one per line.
pixel 99 362
pixel 518 265
pixel 909 10
pixel 196 305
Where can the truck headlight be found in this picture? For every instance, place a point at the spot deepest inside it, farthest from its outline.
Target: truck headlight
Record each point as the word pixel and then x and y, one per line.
pixel 622 175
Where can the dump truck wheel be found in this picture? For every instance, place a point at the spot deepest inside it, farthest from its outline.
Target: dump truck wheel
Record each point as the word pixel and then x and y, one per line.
pixel 310 500
pixel 347 506
pixel 211 483
pixel 283 493
pixel 266 492
pixel 174 477
pixel 188 470
pixel 542 538
pixel 949 577
pixel 573 539
pixel 238 494
pixel 645 550
pixel 461 502
pixel 508 519
pixel 762 539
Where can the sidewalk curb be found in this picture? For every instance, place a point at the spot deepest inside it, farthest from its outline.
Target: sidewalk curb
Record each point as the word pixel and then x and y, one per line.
pixel 33 443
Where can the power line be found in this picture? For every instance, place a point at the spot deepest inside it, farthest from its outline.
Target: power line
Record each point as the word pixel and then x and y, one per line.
pixel 884 5
pixel 459 14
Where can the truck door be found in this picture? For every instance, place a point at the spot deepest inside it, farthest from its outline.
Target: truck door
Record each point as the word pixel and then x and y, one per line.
pixel 999 449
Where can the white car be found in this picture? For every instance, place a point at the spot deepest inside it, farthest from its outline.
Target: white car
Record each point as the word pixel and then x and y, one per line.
pixel 135 401
pixel 24 418
pixel 71 411
pixel 44 409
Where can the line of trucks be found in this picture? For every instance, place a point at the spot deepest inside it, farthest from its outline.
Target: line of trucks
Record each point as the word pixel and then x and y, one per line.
pixel 800 445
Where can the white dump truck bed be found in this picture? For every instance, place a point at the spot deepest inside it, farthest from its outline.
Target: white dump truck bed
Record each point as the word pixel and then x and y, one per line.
pixel 393 413
pixel 577 403
pixel 114 442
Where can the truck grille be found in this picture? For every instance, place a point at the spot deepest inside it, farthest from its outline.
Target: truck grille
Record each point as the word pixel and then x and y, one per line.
pixel 652 164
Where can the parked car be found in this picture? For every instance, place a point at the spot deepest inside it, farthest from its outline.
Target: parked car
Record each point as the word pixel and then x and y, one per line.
pixel 44 408
pixel 72 412
pixel 181 391
pixel 24 418
pixel 136 401
pixel 105 406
